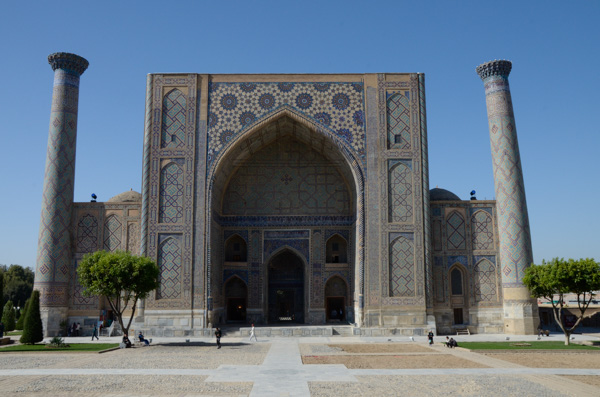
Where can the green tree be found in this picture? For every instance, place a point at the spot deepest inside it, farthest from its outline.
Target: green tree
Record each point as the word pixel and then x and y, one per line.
pixel 21 320
pixel 1 292
pixel 33 330
pixel 18 283
pixel 119 276
pixel 8 316
pixel 555 279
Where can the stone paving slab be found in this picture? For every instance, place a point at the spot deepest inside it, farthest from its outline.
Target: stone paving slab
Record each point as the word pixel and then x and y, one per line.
pixel 279 372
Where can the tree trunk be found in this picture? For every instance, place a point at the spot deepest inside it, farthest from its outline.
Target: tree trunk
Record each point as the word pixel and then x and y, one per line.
pixel 567 338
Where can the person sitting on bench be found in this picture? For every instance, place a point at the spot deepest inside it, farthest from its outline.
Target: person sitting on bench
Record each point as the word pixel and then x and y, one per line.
pixel 450 342
pixel 141 338
pixel 126 341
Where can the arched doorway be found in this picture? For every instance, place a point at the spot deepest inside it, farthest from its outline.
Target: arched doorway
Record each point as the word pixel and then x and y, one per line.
pixel 286 288
pixel 335 299
pixel 236 295
pixel 458 291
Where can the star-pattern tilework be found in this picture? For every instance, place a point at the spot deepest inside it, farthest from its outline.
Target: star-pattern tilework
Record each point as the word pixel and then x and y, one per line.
pixel 169 264
pixel 398 120
pixel 235 107
pixel 402 279
pixel 112 233
pixel 484 277
pixel 482 231
pixel 173 120
pixel 455 228
pixel 171 194
pixel 400 192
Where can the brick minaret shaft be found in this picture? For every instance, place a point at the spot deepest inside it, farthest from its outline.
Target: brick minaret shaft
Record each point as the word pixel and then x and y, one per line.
pixel 54 260
pixel 520 311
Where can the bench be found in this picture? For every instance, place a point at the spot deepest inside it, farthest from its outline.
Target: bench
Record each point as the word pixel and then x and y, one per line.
pixel 5 341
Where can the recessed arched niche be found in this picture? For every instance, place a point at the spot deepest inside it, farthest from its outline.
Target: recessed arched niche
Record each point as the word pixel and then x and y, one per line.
pixel 336 250
pixel 236 249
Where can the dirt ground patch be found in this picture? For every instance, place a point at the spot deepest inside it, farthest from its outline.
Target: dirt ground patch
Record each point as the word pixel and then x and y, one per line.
pixel 394 362
pixel 551 359
pixel 383 348
pixel 589 379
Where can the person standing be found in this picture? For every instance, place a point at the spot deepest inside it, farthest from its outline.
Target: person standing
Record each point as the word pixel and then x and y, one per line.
pixel 430 337
pixel 218 336
pixel 95 333
pixel 252 335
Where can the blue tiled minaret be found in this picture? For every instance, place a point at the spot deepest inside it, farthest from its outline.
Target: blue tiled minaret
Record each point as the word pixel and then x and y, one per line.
pixel 520 312
pixel 54 244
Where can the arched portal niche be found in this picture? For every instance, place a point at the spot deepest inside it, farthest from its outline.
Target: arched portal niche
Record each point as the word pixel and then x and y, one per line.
pixel 283 176
pixel 236 297
pixel 336 250
pixel 335 299
pixel 235 249
pixel 458 291
pixel 286 288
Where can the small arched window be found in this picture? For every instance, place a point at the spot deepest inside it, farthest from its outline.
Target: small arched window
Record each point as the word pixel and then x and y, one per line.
pixel 336 250
pixel 456 281
pixel 235 250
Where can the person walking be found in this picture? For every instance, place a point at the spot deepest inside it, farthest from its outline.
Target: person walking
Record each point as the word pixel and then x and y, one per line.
pixel 218 336
pixel 95 333
pixel 252 335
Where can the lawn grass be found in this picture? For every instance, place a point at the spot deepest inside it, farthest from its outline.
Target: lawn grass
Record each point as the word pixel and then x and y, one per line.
pixel 75 347
pixel 14 333
pixel 534 345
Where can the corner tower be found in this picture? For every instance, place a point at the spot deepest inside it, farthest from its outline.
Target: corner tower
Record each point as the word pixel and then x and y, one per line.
pixel 53 267
pixel 520 311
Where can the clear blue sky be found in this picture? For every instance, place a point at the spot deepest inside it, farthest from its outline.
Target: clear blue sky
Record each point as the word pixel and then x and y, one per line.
pixel 554 47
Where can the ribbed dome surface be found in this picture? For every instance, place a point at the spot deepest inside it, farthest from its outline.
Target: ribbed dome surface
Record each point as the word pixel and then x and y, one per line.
pixel 438 194
pixel 126 197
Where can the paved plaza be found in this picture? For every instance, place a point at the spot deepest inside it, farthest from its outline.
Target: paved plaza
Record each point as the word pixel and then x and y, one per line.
pixel 277 367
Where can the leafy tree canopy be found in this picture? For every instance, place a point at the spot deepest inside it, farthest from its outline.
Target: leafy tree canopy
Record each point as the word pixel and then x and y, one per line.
pixel 553 280
pixel 18 283
pixel 119 276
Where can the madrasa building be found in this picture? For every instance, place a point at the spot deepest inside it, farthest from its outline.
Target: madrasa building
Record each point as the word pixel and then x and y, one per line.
pixel 292 199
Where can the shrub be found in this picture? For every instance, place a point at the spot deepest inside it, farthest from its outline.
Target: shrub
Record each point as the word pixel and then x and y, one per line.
pixel 57 341
pixel 33 330
pixel 19 324
pixel 8 317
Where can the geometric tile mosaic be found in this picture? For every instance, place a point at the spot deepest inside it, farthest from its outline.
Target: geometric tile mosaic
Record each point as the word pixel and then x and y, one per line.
pixel 336 107
pixel 173 120
pixel 169 264
pixel 284 178
pixel 513 220
pixel 87 234
pixel 112 233
pixel 402 281
pixel 398 120
pixel 171 194
pixel 484 280
pixel 455 228
pixel 133 238
pixel 482 231
pixel 400 199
